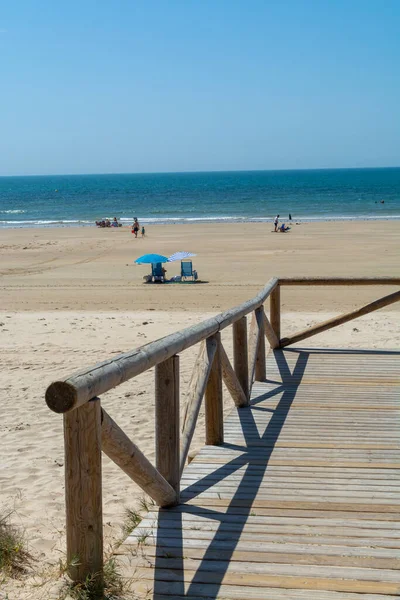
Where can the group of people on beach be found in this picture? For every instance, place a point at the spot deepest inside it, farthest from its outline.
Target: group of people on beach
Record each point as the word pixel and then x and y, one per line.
pixel 115 223
pixel 108 223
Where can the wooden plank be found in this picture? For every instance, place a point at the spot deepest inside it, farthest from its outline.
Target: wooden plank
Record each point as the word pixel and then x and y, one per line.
pixel 254 570
pixel 269 480
pixel 208 591
pixel 194 591
pixel 199 468
pixel 197 387
pixel 273 556
pixel 270 578
pixel 315 493
pixel 167 421
pixel 381 532
pixel 313 545
pixel 286 512
pixel 281 518
pixel 217 501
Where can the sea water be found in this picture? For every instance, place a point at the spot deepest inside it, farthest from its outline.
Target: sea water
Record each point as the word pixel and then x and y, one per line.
pixel 69 200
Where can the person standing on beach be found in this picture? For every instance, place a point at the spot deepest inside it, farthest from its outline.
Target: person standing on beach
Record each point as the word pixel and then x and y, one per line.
pixel 276 221
pixel 135 227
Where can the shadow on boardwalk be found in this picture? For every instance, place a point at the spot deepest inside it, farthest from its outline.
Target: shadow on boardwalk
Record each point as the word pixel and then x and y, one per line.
pixel 220 548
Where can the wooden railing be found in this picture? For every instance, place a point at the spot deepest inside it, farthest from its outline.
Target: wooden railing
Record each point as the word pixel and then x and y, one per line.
pixel 88 429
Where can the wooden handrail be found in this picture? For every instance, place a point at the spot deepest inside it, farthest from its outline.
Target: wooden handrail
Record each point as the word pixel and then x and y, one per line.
pixel 67 394
pixel 339 280
pixel 344 318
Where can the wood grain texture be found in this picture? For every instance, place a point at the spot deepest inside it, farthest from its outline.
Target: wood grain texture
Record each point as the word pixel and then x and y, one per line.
pixel 197 388
pixel 231 381
pixel 260 371
pixel 121 450
pixel 270 333
pixel 214 400
pixel 254 335
pixel 339 281
pixel 73 391
pixel 335 321
pixel 83 492
pixel 301 502
pixel 167 421
pixel 275 311
pixel 240 354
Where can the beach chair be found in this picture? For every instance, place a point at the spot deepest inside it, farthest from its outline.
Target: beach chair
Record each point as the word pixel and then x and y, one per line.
pixel 187 270
pixel 157 272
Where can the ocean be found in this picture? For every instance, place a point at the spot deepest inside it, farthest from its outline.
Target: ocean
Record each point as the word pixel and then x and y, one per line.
pixel 237 196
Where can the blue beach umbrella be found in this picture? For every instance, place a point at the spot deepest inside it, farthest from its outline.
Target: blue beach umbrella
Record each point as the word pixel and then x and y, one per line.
pixel 150 259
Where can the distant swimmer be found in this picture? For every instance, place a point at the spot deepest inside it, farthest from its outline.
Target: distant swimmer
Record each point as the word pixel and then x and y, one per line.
pixel 382 202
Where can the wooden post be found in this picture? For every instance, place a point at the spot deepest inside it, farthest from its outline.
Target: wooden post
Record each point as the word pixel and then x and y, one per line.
pixel 82 439
pixel 240 356
pixel 254 335
pixel 167 421
pixel 213 401
pixel 197 388
pixel 260 370
pixel 275 311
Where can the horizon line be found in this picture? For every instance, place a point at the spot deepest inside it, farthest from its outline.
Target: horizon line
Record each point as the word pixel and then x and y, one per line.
pixel 192 172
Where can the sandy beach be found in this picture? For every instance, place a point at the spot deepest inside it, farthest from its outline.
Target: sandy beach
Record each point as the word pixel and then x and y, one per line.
pixel 72 297
pixel 92 269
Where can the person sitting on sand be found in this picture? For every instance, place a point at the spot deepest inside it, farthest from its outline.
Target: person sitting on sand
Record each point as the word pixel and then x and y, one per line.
pixel 115 222
pixel 283 228
pixel 107 223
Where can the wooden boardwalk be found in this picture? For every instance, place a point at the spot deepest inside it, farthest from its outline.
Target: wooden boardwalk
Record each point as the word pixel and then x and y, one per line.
pixel 301 502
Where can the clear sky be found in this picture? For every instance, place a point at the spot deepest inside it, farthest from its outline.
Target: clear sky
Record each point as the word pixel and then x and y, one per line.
pixel 95 86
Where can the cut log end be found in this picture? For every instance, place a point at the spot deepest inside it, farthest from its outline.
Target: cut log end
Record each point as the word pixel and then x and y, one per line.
pixel 61 397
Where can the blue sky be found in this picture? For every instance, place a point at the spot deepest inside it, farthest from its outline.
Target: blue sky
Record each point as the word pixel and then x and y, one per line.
pixel 133 86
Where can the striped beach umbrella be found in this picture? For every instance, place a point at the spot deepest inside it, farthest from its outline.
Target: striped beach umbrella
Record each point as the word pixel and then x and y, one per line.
pixel 180 256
